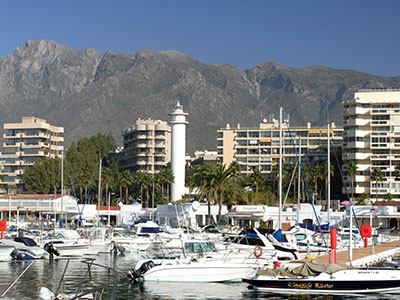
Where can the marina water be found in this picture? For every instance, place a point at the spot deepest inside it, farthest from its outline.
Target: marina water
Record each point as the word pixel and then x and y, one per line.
pixel 47 273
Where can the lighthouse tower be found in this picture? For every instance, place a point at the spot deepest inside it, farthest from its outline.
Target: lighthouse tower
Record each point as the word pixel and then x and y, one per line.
pixel 178 151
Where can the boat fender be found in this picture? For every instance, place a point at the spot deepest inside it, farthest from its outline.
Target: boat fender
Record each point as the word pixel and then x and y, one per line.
pixel 258 251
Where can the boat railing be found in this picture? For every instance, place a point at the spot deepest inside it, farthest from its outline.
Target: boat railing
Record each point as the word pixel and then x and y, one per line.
pixel 83 290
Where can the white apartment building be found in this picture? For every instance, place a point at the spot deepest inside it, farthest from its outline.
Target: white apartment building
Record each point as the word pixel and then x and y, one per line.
pixel 24 144
pixel 258 148
pixel 147 146
pixel 371 137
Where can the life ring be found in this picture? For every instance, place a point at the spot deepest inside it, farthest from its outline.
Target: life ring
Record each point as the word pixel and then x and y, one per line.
pixel 258 251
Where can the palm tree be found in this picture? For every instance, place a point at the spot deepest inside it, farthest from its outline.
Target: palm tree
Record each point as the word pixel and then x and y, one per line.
pixel 221 183
pixel 169 178
pixel 125 181
pixel 256 181
pixel 325 174
pixel 351 170
pixel 377 176
pixel 108 178
pixel 316 174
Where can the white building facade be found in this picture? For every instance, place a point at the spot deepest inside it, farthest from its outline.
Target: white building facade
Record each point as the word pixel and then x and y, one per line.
pixel 371 138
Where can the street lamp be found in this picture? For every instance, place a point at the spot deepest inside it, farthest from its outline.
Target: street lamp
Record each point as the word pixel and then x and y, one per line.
pixel 349 204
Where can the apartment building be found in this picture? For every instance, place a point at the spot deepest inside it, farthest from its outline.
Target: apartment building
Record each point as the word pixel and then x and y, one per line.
pixel 24 143
pixel 371 124
pixel 258 148
pixel 147 146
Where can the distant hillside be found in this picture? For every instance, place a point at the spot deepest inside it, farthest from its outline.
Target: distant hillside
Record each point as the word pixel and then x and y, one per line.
pixel 88 91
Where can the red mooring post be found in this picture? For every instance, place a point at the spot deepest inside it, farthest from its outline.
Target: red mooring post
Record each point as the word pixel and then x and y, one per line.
pixel 332 252
pixel 3 228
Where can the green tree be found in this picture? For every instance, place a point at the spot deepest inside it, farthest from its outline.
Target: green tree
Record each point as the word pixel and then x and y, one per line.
pixel 351 170
pixel 388 197
pixel 377 176
pixel 397 172
pixel 362 199
pixel 44 177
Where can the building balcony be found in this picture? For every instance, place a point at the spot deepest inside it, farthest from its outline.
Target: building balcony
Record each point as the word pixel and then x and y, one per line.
pixel 355 145
pixel 356 156
pixel 356 122
pixel 377 123
pixel 380 156
pixel 348 111
pixel 59 139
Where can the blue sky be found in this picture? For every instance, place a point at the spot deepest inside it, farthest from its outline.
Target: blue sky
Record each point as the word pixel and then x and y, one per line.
pixel 350 34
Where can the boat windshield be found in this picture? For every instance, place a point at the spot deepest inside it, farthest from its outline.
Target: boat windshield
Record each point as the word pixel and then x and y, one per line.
pixel 150 230
pixel 123 233
pixel 54 235
pixel 194 247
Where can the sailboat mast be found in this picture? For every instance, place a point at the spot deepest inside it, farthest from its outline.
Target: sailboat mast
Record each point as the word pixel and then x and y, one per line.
pixel 299 185
pixel 329 170
pixel 62 189
pixel 280 169
pixel 99 196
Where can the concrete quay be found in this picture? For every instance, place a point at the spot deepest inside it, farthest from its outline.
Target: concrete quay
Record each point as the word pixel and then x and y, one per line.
pixel 363 257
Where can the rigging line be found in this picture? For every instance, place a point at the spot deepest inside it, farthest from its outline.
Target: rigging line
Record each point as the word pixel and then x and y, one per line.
pixel 304 178
pixel 345 186
pixel 72 184
pixel 90 187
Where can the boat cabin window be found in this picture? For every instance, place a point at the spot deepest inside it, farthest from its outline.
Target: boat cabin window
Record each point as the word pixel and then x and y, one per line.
pixel 196 246
pixel 300 236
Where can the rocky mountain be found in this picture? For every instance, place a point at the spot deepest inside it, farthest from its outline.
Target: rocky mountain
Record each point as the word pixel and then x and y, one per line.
pixel 89 91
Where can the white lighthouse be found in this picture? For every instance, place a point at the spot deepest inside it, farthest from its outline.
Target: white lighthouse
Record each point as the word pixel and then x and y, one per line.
pixel 178 124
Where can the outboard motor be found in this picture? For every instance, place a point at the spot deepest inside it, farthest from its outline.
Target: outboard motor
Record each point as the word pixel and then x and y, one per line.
pixel 141 267
pixel 51 249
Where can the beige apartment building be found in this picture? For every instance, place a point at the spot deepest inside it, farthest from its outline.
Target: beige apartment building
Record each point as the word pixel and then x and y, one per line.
pixel 371 124
pixel 24 143
pixel 258 148
pixel 147 146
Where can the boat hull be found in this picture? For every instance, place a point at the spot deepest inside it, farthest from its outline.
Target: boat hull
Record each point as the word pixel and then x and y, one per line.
pixel 348 282
pixel 199 273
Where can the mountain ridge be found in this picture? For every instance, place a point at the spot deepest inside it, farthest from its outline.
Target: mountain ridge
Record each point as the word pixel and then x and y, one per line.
pixel 89 91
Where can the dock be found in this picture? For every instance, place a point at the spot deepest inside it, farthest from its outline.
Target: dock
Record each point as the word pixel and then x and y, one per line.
pixel 363 256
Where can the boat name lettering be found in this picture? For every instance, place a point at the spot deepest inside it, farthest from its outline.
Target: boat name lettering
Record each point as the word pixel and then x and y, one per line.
pixel 295 285
pixel 323 285
pixel 309 285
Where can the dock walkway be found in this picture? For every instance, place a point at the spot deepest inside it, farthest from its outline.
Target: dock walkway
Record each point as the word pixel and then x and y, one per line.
pixel 363 256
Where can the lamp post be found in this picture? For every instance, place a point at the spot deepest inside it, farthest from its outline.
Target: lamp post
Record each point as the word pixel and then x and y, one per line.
pixel 349 204
pixel 371 210
pixel 109 203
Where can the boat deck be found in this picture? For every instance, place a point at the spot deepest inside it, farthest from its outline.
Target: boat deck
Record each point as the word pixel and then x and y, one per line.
pixel 362 256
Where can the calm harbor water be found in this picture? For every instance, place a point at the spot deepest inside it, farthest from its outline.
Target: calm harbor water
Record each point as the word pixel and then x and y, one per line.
pixel 48 274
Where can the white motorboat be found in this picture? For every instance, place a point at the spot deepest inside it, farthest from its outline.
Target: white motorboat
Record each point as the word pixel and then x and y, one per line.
pixel 127 240
pixel 25 248
pixel 269 247
pixel 68 243
pixel 5 252
pixel 191 270
pixel 313 278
